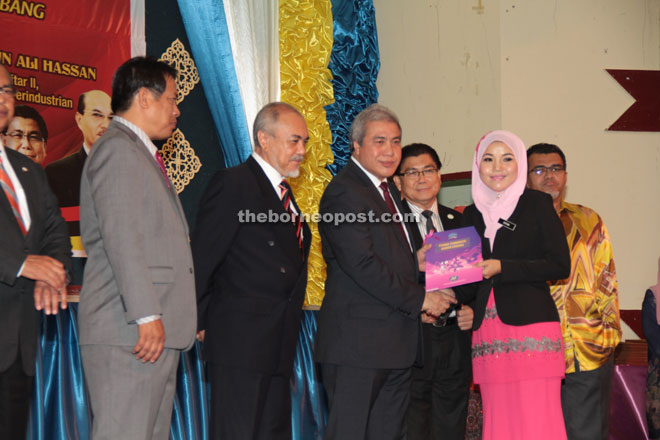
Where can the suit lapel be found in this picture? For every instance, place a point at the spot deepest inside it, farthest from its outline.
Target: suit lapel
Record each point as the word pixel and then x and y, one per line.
pixel 154 168
pixel 285 232
pixel 376 196
pixel 24 176
pixel 413 229
pixel 448 218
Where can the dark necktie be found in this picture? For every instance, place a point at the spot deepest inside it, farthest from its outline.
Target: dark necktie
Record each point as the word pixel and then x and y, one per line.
pixel 161 164
pixel 429 221
pixel 390 204
pixel 287 200
pixel 8 187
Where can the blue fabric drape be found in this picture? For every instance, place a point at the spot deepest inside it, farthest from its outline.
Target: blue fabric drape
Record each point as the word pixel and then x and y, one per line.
pixel 60 405
pixel 354 63
pixel 309 410
pixel 206 27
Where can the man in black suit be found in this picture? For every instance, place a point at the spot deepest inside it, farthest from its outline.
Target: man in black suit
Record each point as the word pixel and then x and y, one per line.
pixel 368 326
pixel 93 116
pixel 440 388
pixel 250 250
pixel 34 256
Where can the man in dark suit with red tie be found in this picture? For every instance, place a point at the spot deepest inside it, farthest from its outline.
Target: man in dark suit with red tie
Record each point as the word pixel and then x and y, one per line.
pixel 250 250
pixel 368 326
pixel 34 257
pixel 441 385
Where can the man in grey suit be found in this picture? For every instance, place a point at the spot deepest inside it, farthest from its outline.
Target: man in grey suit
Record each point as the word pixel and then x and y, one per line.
pixel 137 306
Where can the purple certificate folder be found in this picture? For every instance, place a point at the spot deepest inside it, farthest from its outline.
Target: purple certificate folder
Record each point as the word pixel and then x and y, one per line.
pixel 449 261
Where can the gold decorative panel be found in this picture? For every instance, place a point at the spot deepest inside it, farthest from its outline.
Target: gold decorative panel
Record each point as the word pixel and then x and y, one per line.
pixel 180 160
pixel 178 57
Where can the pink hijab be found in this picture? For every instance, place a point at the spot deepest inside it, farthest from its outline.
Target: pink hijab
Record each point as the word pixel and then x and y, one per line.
pixel 492 205
pixel 656 292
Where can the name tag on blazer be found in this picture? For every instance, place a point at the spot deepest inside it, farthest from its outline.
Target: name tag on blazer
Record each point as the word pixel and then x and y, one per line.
pixel 507 224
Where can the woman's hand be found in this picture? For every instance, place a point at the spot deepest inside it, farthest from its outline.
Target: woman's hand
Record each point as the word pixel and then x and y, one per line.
pixel 490 268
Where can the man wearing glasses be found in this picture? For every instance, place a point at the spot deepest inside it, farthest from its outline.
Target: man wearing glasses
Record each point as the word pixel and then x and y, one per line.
pixel 440 388
pixel 587 301
pixel 34 257
pixel 27 133
pixel 92 117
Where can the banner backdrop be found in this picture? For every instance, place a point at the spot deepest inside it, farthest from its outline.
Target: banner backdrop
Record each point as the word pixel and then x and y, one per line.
pixel 58 49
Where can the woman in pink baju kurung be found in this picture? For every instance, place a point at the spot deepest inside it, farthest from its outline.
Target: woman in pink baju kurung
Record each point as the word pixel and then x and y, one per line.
pixel 517 351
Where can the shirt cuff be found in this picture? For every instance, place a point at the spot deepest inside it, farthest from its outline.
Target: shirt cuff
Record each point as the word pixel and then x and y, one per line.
pixel 20 270
pixel 147 319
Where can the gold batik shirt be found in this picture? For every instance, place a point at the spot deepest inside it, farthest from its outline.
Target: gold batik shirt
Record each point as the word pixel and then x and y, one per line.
pixel 587 300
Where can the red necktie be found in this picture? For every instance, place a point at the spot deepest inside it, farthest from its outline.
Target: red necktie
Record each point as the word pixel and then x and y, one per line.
pixel 287 199
pixel 390 204
pixel 161 164
pixel 8 187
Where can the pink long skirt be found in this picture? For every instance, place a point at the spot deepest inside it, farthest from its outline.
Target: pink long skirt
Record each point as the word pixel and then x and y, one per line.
pixel 519 370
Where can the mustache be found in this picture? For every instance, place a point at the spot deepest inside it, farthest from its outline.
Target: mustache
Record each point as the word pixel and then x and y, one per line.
pixel 296 158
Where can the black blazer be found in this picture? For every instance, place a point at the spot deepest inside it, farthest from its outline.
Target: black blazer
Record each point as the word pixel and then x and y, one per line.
pixel 370 313
pixel 64 177
pixel 250 276
pixel 19 321
pixel 532 254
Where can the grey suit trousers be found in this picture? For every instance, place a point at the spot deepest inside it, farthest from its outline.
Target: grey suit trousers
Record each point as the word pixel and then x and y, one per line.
pixel 130 400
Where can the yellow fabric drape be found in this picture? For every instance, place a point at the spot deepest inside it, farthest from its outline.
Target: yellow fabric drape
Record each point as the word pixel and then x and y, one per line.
pixel 305 28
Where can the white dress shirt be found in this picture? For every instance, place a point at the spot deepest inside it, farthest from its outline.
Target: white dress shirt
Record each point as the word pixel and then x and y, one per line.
pixel 274 177
pixel 421 220
pixel 376 181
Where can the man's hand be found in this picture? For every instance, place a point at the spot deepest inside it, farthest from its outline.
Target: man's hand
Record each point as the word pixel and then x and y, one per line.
pixel 465 317
pixel 151 340
pixel 46 269
pixel 46 297
pixel 421 256
pixel 436 302
pixel 489 268
pixel 200 335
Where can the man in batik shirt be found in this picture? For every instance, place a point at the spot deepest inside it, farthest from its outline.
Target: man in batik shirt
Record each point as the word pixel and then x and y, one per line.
pixel 587 301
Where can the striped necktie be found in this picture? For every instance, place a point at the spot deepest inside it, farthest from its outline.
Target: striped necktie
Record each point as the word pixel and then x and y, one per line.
pixel 8 188
pixel 393 210
pixel 287 200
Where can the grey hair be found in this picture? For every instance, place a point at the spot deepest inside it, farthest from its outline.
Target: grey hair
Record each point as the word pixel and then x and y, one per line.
pixel 268 116
pixel 375 112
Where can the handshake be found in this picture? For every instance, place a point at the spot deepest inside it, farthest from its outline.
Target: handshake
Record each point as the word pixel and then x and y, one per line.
pixel 437 302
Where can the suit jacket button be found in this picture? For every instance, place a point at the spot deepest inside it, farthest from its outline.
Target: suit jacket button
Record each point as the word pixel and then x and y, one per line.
pixel 282 269
pixel 190 269
pixel 271 243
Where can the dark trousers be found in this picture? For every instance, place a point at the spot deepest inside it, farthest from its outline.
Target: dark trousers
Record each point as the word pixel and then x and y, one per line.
pixel 247 405
pixel 585 401
pixel 15 393
pixel 439 391
pixel 366 403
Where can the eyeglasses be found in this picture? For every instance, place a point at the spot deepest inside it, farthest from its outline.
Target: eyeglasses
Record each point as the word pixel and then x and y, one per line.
pixel 9 91
pixel 541 170
pixel 414 174
pixel 16 137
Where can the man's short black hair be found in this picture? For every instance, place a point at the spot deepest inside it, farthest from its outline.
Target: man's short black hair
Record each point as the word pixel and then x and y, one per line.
pixel 543 148
pixel 135 74
pixel 27 112
pixel 81 103
pixel 417 149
